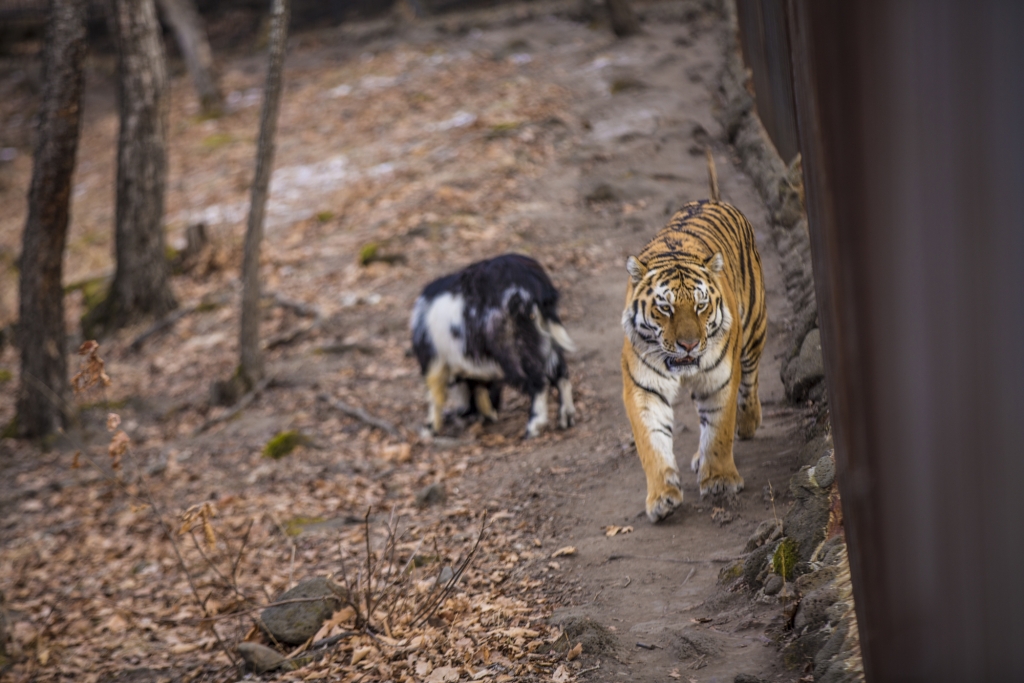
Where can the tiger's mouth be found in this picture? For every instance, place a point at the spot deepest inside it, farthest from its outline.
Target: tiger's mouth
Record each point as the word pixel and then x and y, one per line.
pixel 674 362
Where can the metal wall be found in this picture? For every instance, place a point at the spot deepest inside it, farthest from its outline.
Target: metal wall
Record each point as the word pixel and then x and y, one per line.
pixel 911 124
pixel 764 39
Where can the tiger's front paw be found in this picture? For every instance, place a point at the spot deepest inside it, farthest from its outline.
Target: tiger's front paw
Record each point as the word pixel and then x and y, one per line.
pixel 723 481
pixel 664 499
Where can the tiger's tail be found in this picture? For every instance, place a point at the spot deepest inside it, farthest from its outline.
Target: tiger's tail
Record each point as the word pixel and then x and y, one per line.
pixel 712 175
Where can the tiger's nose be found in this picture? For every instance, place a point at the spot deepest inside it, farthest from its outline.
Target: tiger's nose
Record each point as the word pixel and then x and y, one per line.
pixel 687 346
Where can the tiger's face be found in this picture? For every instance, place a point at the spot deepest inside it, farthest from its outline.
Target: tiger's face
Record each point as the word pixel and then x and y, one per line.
pixel 676 313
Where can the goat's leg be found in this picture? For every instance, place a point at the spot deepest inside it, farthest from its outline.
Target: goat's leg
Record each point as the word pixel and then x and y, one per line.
pixel 482 398
pixel 538 412
pixel 566 409
pixel 437 393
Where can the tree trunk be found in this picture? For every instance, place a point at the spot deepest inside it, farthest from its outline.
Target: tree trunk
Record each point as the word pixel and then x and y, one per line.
pixel 623 20
pixel 44 375
pixel 251 359
pixel 141 283
pixel 195 48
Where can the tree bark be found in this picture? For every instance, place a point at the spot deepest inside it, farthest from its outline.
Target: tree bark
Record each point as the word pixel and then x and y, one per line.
pixel 44 377
pixel 195 49
pixel 623 20
pixel 141 283
pixel 251 358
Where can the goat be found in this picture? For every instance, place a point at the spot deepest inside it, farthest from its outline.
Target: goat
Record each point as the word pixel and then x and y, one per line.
pixel 493 323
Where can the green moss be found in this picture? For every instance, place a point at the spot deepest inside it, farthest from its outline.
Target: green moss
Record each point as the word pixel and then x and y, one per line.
pixel 104 405
pixel 785 558
pixel 368 253
pixel 296 525
pixel 10 430
pixel 500 130
pixel 217 140
pixel 731 573
pixel 94 291
pixel 206 306
pixel 5 375
pixel 284 443
pixel 324 216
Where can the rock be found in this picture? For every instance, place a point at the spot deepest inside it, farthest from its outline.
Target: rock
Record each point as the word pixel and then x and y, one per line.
pixel 813 606
pixel 297 622
pixel 806 370
pixel 692 644
pixel 815 580
pixel 807 520
pixel 774 584
pixel 596 639
pixel 747 678
pixel 602 193
pixel 824 473
pixel 260 658
pixel 434 494
pixel 766 531
pixel 755 563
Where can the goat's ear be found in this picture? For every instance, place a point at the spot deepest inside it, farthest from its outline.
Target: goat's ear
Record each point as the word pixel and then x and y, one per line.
pixel 715 263
pixel 636 269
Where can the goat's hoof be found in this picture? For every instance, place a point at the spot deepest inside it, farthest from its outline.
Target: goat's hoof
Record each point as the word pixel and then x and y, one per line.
pixel 566 419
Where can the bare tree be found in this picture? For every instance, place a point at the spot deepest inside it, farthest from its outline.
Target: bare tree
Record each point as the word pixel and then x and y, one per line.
pixel 623 19
pixel 251 358
pixel 195 49
pixel 141 283
pixel 44 375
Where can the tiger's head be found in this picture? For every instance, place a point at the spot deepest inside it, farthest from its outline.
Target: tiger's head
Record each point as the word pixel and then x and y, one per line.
pixel 676 312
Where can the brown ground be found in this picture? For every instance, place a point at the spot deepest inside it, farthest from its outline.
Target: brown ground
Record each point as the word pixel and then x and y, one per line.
pixel 440 145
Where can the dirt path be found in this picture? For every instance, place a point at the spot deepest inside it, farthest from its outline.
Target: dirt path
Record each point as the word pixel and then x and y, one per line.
pixel 456 157
pixel 649 585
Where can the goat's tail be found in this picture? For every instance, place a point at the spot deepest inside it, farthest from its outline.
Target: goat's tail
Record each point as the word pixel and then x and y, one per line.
pixel 561 337
pixel 712 175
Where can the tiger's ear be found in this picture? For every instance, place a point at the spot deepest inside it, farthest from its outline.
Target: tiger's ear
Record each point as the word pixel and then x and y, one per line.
pixel 715 263
pixel 636 269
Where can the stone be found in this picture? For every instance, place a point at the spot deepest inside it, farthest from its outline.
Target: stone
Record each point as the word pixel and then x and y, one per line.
pixel 295 623
pixel 748 678
pixel 774 584
pixel 260 658
pixel 824 473
pixel 766 531
pixel 807 520
pixel 806 369
pixel 755 563
pixel 813 606
pixel 433 494
pixel 815 579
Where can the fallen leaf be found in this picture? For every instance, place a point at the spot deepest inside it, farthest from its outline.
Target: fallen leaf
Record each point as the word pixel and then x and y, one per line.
pixel 612 530
pixel 360 654
pixel 674 673
pixel 443 674
pixel 567 550
pixel 561 675
pixel 574 653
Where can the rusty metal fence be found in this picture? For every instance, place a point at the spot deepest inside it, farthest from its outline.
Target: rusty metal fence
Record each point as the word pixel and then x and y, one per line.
pixel 910 119
pixel 764 40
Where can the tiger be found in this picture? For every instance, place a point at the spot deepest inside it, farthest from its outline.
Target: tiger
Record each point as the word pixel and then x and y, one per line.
pixel 695 316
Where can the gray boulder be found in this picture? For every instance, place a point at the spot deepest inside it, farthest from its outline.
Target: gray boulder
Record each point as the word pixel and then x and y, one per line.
pixel 806 370
pixel 296 622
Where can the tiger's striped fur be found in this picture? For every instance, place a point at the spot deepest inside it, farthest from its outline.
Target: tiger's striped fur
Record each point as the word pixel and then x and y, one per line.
pixel 695 317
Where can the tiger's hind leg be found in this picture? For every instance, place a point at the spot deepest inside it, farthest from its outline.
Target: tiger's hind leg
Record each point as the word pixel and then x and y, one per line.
pixel 748 403
pixel 748 418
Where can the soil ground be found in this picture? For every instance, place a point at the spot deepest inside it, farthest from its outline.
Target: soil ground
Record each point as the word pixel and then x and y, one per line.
pixel 438 143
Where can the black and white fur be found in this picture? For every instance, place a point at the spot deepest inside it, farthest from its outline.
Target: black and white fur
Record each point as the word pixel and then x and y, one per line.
pixel 493 323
